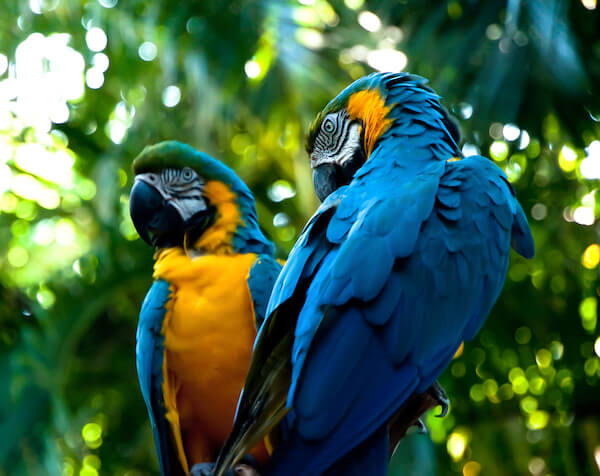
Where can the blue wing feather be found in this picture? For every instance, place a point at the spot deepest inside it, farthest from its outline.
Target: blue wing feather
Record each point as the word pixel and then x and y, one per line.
pixel 406 278
pixel 149 353
pixel 261 279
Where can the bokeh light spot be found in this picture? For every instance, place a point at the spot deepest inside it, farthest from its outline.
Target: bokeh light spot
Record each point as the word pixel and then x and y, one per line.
pixel 583 216
pixel 369 21
pixel 171 96
pixel 308 37
pixel 499 150
pixel 91 432
pixel 493 32
pixel 505 392
pixel 476 393
pixel 590 5
pixel 94 78
pixel 543 358
pixel 43 233
pixel 101 61
pixel 46 298
pixel 96 39
pixel 567 158
pixel 539 211
pixel 465 110
pixel 538 420
pixel 92 461
pixel 511 132
pixel 86 189
pixel 590 166
pixel 252 69
pixel 18 256
pixel 456 445
pixel 26 209
pixel 281 219
pixel 591 256
pixel 65 232
pixel 88 471
pixel 557 349
pixel 537 385
pixel 458 369
pixel 471 468
pixel 280 190
pixel 588 313
pixel 454 10
pixel 536 466
pixel 490 388
pixel 520 385
pixel 529 404
pixel 523 335
pixel 524 140
pixel 389 60
pixel 470 149
pixel 147 51
pixel 354 4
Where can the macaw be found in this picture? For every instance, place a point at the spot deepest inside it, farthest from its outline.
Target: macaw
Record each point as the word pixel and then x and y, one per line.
pixel 214 272
pixel 401 263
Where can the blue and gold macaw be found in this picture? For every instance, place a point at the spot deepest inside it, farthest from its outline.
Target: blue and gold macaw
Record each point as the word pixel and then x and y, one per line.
pixel 214 272
pixel 401 263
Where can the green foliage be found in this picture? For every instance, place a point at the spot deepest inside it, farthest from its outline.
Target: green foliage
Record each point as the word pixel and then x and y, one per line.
pixel 88 84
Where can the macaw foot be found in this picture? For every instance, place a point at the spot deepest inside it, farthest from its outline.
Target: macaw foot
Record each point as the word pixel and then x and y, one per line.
pixel 246 467
pixel 202 469
pixel 437 392
pixel 420 426
pixel 411 411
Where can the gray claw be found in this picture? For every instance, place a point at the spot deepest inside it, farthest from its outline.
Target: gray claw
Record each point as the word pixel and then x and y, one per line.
pixel 202 469
pixel 421 428
pixel 206 469
pixel 438 393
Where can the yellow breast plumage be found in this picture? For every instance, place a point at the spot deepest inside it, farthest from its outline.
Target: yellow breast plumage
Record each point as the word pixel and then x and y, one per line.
pixel 209 330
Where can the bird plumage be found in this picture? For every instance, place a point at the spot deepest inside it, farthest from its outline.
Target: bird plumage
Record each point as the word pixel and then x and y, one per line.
pixel 396 268
pixel 198 322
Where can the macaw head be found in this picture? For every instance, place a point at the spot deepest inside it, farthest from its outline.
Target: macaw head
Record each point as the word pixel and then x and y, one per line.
pixel 349 128
pixel 182 197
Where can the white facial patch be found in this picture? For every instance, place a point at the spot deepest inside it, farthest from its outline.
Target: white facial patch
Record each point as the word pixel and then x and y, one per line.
pixel 182 189
pixel 337 140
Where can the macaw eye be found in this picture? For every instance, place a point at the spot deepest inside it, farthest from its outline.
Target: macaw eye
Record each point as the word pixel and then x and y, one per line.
pixel 329 125
pixel 188 174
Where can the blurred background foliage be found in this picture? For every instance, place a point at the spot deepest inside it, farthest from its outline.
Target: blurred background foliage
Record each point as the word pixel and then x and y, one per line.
pixel 85 85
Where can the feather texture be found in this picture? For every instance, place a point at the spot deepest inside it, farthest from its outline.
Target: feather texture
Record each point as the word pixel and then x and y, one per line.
pixel 199 319
pixel 390 275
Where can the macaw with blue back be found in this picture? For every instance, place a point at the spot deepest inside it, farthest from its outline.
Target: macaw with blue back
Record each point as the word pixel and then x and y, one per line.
pixel 401 263
pixel 214 272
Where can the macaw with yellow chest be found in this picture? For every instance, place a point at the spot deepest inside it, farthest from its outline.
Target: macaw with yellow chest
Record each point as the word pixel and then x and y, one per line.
pixel 214 272
pixel 400 264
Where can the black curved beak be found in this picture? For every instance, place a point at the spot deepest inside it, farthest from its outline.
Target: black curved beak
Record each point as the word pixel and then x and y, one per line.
pixel 157 223
pixel 328 177
pixel 326 180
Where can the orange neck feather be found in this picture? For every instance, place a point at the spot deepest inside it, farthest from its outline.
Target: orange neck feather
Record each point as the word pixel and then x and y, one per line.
pixel 370 108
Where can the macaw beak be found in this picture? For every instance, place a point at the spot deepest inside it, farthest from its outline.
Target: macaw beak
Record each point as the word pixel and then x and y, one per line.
pixel 330 176
pixel 326 179
pixel 158 223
